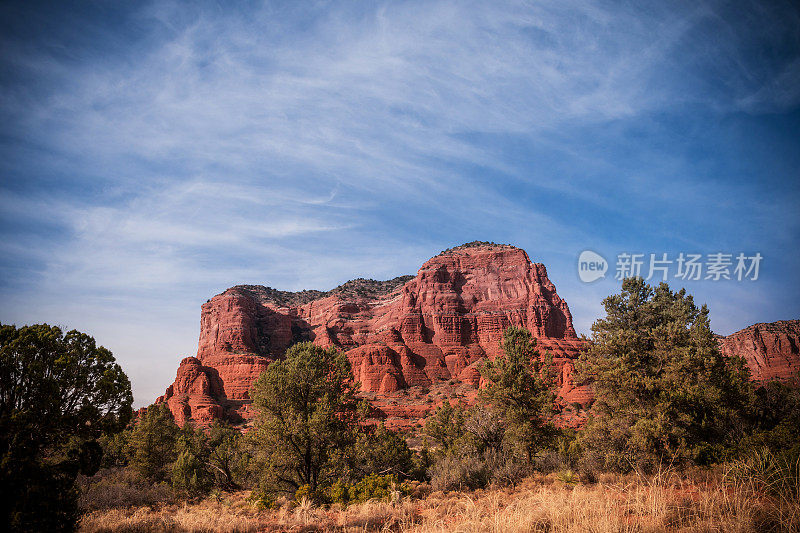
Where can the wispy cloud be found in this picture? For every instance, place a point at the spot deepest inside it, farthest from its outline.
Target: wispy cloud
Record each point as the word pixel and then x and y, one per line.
pixel 186 148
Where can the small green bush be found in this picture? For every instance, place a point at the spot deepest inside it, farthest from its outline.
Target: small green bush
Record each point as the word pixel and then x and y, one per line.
pixel 371 487
pixel 339 492
pixel 304 492
pixel 263 499
pixel 568 477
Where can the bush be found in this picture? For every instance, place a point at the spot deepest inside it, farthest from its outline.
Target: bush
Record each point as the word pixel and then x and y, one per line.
pixel 568 477
pixel 340 492
pixel 446 427
pixel 120 488
pixel 189 476
pixel 371 487
pixel 383 451
pixel 304 491
pixel 475 471
pixel 376 487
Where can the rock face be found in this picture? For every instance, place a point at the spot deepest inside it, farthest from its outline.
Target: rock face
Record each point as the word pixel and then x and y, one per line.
pixel 411 341
pixel 414 341
pixel 772 351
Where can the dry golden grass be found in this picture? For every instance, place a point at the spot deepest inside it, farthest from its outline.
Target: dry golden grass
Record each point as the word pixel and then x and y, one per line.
pixel 667 502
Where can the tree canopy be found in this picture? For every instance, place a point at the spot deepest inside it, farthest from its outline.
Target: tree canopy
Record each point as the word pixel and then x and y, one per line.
pixel 59 392
pixel 307 418
pixel 664 391
pixel 520 384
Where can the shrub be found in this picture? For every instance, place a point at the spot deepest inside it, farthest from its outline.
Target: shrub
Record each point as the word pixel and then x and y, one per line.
pixel 304 491
pixel 339 492
pixel 371 487
pixel 376 487
pixel 189 475
pixel 568 477
pixel 446 427
pixel 381 450
pixel 476 471
pixel 453 472
pixel 120 488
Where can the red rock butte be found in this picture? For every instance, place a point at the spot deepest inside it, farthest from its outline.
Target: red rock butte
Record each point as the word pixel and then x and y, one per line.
pixel 413 341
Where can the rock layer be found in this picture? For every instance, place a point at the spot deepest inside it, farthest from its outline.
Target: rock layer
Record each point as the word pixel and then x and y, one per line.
pixel 402 336
pixel 772 350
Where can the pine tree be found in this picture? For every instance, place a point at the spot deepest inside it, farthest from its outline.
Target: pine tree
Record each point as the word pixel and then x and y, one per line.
pixel 664 392
pixel 307 419
pixel 520 385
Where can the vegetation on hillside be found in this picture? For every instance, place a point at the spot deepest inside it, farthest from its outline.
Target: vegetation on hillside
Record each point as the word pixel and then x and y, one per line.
pixel 473 244
pixel 355 288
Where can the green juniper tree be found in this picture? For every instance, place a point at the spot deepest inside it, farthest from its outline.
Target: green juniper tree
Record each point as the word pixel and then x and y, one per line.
pixel 520 385
pixel 59 393
pixel 382 451
pixel 307 420
pixel 446 427
pixel 153 444
pixel 227 459
pixel 665 393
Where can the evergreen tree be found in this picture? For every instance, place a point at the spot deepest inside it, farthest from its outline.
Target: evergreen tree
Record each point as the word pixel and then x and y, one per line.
pixel 227 460
pixel 153 444
pixel 190 473
pixel 307 419
pixel 446 427
pixel 59 393
pixel 664 392
pixel 520 385
pixel 383 451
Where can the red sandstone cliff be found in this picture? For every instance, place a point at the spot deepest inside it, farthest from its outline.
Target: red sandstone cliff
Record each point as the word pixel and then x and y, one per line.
pixel 772 351
pixel 412 341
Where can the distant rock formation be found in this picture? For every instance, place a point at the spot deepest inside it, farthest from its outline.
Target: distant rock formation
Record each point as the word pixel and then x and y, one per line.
pixel 772 351
pixel 412 341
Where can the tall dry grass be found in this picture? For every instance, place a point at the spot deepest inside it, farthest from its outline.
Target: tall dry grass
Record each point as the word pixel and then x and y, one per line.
pixel 705 501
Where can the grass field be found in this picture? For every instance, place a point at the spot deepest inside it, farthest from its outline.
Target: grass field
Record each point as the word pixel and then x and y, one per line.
pixel 702 500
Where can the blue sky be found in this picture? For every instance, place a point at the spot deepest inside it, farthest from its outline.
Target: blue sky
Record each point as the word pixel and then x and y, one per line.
pixel 155 153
